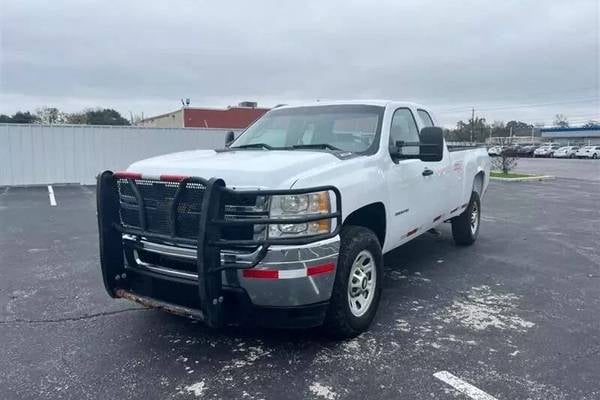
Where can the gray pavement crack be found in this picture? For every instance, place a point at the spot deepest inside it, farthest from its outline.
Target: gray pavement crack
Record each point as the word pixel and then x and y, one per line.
pixel 69 319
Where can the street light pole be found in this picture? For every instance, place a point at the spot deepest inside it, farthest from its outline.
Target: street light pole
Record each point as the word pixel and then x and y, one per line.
pixel 472 122
pixel 532 134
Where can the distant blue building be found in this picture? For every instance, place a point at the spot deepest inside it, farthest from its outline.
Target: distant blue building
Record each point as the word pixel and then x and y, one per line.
pixel 572 136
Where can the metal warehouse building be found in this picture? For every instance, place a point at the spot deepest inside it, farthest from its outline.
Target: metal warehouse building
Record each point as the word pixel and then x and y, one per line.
pixel 233 117
pixel 572 136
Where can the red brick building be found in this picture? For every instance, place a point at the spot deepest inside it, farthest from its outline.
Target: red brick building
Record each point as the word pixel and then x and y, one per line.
pixel 233 117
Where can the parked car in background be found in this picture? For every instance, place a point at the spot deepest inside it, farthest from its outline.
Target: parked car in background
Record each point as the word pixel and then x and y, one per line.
pixel 566 152
pixel 583 151
pixel 593 152
pixel 511 151
pixel 494 151
pixel 526 151
pixel 546 150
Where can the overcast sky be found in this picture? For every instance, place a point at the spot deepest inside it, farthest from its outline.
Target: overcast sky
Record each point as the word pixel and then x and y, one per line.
pixel 519 59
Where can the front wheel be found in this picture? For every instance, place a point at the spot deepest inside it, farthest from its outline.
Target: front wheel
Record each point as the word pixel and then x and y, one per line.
pixel 357 286
pixel 465 227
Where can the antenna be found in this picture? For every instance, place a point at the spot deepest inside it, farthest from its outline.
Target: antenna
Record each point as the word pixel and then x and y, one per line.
pixel 182 103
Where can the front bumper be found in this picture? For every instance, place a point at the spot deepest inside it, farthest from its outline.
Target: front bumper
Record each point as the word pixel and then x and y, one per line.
pixel 222 279
pixel 287 276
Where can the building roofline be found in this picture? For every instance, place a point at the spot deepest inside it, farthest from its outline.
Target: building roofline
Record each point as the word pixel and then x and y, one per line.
pixel 160 115
pixel 204 108
pixel 570 129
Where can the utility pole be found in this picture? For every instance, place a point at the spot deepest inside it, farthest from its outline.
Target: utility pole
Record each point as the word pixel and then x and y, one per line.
pixel 532 134
pixel 472 122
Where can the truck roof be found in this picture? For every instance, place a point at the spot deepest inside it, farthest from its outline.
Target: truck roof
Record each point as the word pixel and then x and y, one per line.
pixel 367 102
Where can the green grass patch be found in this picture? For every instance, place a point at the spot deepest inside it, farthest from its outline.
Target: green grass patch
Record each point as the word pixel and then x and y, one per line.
pixel 498 174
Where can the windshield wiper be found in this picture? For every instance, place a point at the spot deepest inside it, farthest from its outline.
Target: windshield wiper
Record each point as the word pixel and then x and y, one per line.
pixel 253 146
pixel 316 146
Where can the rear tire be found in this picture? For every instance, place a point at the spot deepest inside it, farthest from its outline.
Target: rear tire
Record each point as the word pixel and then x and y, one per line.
pixel 465 227
pixel 356 292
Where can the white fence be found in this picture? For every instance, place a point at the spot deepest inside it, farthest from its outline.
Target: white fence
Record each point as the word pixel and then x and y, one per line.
pixel 46 154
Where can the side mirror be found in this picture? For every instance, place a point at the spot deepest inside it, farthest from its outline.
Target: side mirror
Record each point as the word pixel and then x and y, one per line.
pixel 229 138
pixel 431 144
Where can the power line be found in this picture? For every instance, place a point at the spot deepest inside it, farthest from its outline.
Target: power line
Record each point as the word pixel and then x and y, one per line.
pixel 530 96
pixel 527 97
pixel 587 100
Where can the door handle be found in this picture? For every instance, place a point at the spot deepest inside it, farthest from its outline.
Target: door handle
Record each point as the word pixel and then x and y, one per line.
pixel 427 172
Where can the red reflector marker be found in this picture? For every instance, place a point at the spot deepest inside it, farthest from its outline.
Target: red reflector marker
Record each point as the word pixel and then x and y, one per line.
pixel 288 273
pixel 261 273
pixel 128 175
pixel 172 178
pixel 320 269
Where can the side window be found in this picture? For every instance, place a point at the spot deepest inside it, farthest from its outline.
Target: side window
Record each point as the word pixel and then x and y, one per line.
pixel 425 118
pixel 404 128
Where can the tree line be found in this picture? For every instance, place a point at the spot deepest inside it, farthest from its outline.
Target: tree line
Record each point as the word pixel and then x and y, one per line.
pixel 478 129
pixel 52 115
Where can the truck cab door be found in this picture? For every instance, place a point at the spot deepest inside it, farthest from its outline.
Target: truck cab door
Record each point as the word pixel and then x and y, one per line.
pixel 409 188
pixel 439 187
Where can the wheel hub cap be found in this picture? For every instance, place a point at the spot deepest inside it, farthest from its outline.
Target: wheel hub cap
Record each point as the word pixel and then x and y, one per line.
pixel 474 218
pixel 361 283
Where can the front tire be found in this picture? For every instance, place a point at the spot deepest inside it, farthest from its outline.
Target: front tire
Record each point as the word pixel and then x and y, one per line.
pixel 357 287
pixel 465 227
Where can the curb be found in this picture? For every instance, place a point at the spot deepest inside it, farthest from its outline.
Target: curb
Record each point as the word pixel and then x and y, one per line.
pixel 525 179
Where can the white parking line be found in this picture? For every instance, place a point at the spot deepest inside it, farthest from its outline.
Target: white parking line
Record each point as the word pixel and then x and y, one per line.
pixel 462 386
pixel 51 195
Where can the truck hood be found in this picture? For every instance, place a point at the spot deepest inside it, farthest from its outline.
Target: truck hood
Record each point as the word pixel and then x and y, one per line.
pixel 247 168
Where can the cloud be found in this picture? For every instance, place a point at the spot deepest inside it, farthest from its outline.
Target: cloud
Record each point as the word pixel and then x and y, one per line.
pixel 146 55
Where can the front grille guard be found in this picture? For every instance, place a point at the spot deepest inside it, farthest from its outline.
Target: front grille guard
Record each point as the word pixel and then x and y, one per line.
pixel 209 242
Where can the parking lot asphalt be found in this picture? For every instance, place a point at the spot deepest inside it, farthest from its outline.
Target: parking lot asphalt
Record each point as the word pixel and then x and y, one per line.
pixel 516 315
pixel 562 168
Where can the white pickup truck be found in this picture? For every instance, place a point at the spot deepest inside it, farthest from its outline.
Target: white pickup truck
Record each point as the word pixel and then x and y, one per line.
pixel 286 226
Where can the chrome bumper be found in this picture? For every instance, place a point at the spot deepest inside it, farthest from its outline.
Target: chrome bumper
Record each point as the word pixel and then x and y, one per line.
pixel 287 275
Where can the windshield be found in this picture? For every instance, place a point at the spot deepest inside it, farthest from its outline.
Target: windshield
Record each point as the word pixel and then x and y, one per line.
pixel 353 128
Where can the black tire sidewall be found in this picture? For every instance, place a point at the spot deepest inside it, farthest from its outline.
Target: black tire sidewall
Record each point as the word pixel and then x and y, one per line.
pixel 354 239
pixel 474 200
pixel 461 225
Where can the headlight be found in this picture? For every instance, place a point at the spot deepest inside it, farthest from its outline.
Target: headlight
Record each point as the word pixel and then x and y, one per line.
pixel 298 206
